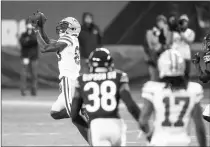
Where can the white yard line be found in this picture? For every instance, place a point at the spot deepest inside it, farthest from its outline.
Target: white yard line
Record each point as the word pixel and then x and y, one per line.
pixel 43 103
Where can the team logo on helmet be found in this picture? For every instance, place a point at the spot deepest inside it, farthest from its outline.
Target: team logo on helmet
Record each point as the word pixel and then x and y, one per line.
pixel 68 25
pixel 100 57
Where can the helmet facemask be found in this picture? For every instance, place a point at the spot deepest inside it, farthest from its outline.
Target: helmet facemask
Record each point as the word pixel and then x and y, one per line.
pixel 62 28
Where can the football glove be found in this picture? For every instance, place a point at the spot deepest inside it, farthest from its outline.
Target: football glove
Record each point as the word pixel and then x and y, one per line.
pixel 38 19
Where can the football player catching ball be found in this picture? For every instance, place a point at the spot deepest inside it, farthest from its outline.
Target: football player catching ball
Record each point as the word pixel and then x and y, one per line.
pixel 67 50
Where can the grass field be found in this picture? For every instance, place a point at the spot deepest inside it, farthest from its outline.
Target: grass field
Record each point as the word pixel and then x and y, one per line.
pixel 26 122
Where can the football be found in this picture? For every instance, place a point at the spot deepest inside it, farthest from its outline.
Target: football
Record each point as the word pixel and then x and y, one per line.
pixel 38 19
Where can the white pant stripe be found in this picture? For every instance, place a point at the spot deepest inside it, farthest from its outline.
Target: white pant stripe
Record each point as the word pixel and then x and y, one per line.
pixel 66 95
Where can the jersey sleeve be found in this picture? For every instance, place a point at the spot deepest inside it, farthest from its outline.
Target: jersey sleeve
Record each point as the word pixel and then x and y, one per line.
pixel 148 92
pixel 66 39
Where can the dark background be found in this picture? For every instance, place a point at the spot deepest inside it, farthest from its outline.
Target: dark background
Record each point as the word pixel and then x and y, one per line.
pixel 123 25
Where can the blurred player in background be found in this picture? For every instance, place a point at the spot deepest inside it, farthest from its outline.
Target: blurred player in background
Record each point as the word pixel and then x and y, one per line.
pixel 183 37
pixel 101 91
pixel 204 76
pixel 29 57
pixel 67 50
pixel 156 38
pixel 174 101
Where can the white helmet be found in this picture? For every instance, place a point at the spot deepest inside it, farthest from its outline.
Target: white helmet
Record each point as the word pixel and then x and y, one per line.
pixel 171 64
pixel 68 25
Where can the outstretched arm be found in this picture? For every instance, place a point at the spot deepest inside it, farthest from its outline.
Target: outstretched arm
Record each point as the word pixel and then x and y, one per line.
pixel 46 45
pixel 144 119
pixel 129 102
pixel 76 108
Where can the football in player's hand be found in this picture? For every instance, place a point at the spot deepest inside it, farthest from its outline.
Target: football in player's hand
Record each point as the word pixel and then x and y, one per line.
pixel 38 19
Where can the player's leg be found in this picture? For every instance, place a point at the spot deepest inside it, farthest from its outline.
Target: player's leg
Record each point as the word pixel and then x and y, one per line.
pixel 206 113
pixel 23 78
pixel 33 71
pixel 68 101
pixel 108 132
pixel 58 110
pixel 96 132
pixel 119 135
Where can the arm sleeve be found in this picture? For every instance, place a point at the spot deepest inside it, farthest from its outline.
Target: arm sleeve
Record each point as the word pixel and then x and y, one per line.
pixel 130 103
pixel 127 98
pixel 66 39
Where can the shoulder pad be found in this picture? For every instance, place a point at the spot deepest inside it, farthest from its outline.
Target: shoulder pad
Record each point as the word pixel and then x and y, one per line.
pixel 195 88
pixel 149 89
pixel 124 78
pixel 153 86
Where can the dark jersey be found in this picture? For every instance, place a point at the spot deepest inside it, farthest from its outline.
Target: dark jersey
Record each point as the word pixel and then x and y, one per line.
pixel 205 75
pixel 29 46
pixel 100 93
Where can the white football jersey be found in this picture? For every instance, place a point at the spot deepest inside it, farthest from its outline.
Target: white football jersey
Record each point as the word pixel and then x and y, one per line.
pixel 69 57
pixel 172 111
pixel 181 45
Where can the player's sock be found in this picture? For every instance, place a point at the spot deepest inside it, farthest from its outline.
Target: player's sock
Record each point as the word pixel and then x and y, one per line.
pixel 207 118
pixel 82 126
pixel 59 114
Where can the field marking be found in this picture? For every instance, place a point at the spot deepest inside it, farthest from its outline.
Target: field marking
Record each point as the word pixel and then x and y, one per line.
pixel 53 133
pixel 46 103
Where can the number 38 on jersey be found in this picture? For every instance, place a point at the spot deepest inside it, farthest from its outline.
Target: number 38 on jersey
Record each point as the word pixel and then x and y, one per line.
pixel 102 96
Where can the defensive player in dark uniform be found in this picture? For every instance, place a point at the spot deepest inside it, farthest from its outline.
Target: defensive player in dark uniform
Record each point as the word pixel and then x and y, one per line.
pixel 101 91
pixel 204 76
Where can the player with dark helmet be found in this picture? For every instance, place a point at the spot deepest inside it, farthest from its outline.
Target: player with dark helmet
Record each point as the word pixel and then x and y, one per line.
pixel 204 76
pixel 100 58
pixel 101 91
